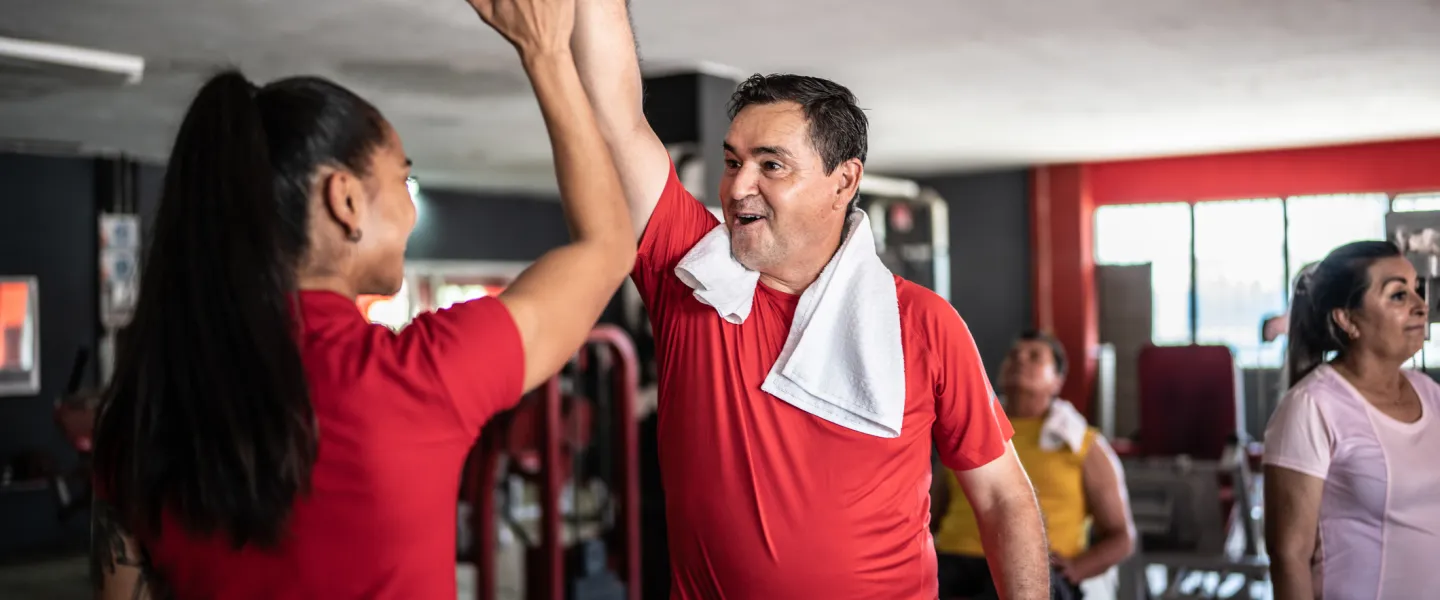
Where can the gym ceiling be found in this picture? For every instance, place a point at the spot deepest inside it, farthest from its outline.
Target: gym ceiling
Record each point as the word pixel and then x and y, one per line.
pixel 950 85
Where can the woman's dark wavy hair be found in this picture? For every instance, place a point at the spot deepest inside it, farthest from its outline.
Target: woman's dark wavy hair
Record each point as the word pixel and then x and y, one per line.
pixel 208 416
pixel 1339 281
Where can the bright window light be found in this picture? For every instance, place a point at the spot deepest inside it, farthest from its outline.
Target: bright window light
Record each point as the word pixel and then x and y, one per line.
pixel 1239 275
pixel 1158 234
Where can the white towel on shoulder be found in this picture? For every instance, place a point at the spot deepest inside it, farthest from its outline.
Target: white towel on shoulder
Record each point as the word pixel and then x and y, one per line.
pixel 717 278
pixel 843 361
pixel 1063 427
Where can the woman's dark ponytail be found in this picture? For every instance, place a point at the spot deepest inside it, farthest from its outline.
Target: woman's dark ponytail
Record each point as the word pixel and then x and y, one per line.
pixel 1338 282
pixel 208 417
pixel 1306 343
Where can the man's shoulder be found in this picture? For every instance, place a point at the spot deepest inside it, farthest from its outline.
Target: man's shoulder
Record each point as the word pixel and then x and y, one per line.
pixel 929 322
pixel 921 304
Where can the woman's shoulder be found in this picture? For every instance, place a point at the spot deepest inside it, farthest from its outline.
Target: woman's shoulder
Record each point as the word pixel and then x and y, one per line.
pixel 1322 383
pixel 1324 399
pixel 1312 398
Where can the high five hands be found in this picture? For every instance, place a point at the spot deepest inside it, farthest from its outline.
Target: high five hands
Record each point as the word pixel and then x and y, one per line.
pixel 534 27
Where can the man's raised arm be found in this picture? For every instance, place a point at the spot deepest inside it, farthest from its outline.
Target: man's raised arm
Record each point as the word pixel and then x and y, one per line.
pixel 605 54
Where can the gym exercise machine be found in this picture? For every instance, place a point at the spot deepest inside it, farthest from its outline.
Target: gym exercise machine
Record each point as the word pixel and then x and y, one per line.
pixel 911 224
pixel 40 472
pixel 1196 503
pixel 75 416
pixel 1201 549
pixel 1191 401
pixel 558 439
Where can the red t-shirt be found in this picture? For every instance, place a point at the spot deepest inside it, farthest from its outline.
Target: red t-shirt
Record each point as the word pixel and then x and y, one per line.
pixel 398 414
pixel 767 501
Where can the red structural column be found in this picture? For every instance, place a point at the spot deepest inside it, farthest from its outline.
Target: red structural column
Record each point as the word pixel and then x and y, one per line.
pixel 1062 217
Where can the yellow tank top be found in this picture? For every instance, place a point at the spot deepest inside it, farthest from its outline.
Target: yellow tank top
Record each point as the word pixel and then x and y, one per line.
pixel 1058 479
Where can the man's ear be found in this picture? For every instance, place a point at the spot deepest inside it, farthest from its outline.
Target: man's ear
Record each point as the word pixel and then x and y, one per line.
pixel 341 195
pixel 848 182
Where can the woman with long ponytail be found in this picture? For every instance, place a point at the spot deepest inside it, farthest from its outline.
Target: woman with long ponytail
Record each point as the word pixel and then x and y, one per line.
pixel 1308 339
pixel 1349 451
pixel 260 439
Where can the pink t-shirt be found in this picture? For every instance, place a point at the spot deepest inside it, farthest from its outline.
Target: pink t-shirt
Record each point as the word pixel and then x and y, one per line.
pixel 1379 533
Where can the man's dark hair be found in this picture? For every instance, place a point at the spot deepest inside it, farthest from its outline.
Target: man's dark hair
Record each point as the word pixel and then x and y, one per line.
pixel 838 128
pixel 1056 350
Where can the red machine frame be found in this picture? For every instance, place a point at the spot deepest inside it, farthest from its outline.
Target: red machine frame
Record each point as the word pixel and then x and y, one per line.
pixel 483 475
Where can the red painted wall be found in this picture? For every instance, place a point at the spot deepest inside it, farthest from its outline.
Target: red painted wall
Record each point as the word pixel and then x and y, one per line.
pixel 1062 223
pixel 1396 167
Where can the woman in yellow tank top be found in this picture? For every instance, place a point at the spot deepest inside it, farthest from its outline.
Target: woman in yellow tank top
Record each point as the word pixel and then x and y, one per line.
pixel 1077 479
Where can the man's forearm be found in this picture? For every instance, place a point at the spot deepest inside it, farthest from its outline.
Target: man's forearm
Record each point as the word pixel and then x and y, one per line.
pixel 1105 553
pixel 604 48
pixel 609 65
pixel 589 187
pixel 1014 539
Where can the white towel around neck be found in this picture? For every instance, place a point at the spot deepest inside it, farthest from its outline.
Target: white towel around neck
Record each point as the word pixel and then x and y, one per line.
pixel 843 360
pixel 1064 426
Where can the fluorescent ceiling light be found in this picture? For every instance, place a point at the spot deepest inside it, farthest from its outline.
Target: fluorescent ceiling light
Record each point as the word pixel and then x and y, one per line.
pixel 129 67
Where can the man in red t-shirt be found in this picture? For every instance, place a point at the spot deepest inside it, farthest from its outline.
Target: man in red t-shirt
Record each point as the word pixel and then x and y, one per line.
pixel 763 499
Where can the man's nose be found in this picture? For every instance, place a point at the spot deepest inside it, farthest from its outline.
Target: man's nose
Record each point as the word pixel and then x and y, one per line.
pixel 743 184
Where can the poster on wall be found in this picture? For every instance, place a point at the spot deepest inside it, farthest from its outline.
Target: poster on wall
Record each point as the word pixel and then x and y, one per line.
pixel 119 268
pixel 19 336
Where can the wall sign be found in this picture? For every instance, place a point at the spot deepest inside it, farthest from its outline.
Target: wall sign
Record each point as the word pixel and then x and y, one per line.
pixel 119 268
pixel 19 336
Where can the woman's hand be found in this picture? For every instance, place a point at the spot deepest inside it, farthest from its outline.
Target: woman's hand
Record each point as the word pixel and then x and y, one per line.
pixel 534 27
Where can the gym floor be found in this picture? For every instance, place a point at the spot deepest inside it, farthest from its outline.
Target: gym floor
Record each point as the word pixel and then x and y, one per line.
pixel 55 579
pixel 67 578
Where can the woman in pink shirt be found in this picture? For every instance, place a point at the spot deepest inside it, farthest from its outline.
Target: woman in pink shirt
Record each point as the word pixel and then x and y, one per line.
pixel 1352 489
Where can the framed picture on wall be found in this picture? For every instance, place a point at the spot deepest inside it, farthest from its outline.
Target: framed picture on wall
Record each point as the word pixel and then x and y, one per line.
pixel 19 336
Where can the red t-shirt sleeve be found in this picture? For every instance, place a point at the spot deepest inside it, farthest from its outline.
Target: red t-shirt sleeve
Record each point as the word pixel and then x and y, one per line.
pixel 678 222
pixel 474 351
pixel 970 427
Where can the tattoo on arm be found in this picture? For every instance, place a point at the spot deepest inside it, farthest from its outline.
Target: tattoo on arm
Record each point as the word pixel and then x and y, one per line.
pixel 112 547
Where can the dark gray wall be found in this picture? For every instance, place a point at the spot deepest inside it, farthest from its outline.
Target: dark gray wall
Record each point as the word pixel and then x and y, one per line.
pixel 47 229
pixel 451 225
pixel 692 108
pixel 989 256
pixel 482 226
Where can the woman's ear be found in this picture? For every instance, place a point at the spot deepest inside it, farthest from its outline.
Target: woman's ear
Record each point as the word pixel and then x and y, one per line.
pixel 1345 323
pixel 343 196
